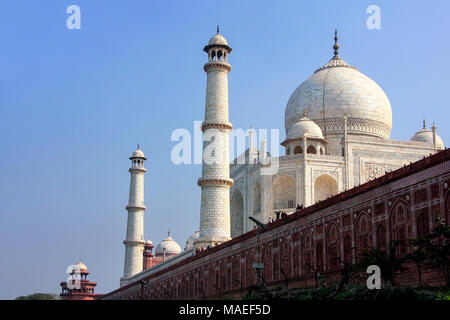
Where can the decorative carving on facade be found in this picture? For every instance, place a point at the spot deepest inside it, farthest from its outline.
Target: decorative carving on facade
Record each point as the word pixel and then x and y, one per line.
pixel 375 170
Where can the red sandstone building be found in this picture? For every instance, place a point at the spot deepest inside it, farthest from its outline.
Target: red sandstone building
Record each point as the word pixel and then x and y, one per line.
pixel 401 205
pixel 86 288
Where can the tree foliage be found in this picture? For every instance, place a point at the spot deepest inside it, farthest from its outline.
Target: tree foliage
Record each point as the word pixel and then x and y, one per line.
pixel 38 296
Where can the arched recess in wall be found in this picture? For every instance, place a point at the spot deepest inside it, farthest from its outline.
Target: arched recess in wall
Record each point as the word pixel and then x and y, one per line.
pixel 422 223
pixel 363 233
pixel 283 192
pixel 267 258
pixel 447 207
pixel 307 253
pixel 319 256
pixel 256 198
pixel 286 257
pixel 298 150
pixel 381 237
pixel 324 187
pixel 311 149
pixel 348 250
pixel 236 214
pixel 401 223
pixel 333 246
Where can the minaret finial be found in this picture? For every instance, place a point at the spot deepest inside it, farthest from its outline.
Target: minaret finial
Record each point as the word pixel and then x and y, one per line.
pixel 138 145
pixel 168 232
pixel 304 112
pixel 336 45
pixel 217 29
pixel 424 125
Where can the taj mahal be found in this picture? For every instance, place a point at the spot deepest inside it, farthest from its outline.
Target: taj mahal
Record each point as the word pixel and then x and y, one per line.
pixel 338 124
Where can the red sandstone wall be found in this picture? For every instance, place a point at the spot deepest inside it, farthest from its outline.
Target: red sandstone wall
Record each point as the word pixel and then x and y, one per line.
pixel 400 205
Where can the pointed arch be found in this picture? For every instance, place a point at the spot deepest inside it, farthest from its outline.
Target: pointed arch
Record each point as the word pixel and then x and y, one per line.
pixel 311 149
pixel 325 186
pixel 307 252
pixel 381 236
pixel 250 272
pixel 296 258
pixel 333 246
pixel 256 198
pixel 267 258
pixel 422 224
pixel 286 257
pixel 236 213
pixel 401 223
pixel 447 208
pixel 319 256
pixel 298 150
pixel 363 233
pixel 283 192
pixel 348 251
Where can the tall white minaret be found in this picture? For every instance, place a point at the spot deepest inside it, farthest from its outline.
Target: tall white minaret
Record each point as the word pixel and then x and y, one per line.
pixel 215 181
pixel 134 242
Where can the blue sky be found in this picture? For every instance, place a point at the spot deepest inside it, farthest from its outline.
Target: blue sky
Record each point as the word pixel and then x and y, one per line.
pixel 75 103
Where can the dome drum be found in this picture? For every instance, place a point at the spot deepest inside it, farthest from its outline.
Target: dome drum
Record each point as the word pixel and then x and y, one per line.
pixel 356 126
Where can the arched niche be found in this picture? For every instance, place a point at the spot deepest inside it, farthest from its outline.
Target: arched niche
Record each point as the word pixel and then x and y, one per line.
pixel 236 214
pixel 256 198
pixel 298 150
pixel 283 192
pixel 324 187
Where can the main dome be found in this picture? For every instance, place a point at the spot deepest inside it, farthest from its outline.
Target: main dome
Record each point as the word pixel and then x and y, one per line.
pixel 337 90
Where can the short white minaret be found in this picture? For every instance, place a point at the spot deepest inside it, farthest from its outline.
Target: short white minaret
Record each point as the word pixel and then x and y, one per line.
pixel 215 181
pixel 134 242
pixel 433 128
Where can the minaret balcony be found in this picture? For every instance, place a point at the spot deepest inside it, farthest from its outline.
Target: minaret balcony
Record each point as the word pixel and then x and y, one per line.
pixel 136 207
pixel 218 65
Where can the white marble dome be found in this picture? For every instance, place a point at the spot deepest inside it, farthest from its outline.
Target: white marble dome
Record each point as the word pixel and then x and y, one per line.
pixel 138 154
pixel 191 239
pixel 337 90
pixel 80 266
pixel 218 39
pixel 304 127
pixel 426 136
pixel 171 246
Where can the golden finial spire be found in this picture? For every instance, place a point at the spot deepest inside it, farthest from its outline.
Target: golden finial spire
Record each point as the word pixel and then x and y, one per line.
pixel 424 126
pixel 336 45
pixel 217 29
pixel 304 112
pixel 138 145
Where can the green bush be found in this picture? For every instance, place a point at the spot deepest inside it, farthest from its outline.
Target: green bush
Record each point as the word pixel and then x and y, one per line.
pixel 349 292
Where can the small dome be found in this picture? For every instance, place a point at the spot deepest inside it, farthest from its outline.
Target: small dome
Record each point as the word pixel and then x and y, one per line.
pixel 426 136
pixel 218 39
pixel 191 239
pixel 304 127
pixel 80 266
pixel 149 243
pixel 172 248
pixel 138 154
